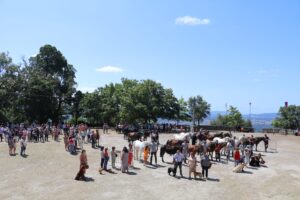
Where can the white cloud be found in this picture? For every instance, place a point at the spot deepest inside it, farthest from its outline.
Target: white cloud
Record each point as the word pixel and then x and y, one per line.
pixel 191 21
pixel 109 69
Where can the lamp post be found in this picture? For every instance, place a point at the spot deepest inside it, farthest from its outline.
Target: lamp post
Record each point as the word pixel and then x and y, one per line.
pixel 250 104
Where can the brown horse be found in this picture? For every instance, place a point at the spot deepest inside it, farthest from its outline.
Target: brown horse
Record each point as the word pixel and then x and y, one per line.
pixel 212 147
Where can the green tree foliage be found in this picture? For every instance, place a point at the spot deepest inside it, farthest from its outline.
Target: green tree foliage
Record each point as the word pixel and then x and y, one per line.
pixel 131 101
pixel 183 113
pixel 288 118
pixel 199 108
pixel 50 85
pixel 10 89
pixel 38 91
pixel 232 119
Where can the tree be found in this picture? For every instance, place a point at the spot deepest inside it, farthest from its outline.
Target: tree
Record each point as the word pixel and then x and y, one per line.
pixel 11 83
pixel 199 108
pixel 131 101
pixel 288 118
pixel 233 119
pixel 50 84
pixel 76 106
pixel 183 113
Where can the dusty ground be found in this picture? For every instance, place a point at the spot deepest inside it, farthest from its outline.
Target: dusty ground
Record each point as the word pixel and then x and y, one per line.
pixel 48 173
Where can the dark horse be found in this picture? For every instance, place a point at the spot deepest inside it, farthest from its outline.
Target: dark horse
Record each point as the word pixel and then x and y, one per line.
pixel 172 146
pixel 133 136
pixel 255 141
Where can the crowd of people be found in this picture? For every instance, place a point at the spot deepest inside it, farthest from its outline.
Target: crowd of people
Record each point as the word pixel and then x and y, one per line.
pixel 75 137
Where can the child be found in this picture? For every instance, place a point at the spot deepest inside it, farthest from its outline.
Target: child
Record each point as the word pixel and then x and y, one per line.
pixel 146 155
pixel 114 155
pixel 237 156
pixel 106 158
pixel 23 146
pixel 130 156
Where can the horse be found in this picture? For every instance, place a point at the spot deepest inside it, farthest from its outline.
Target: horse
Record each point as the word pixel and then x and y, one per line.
pixel 139 147
pixel 182 136
pixel 221 140
pixel 257 140
pixel 169 149
pixel 211 146
pixel 133 136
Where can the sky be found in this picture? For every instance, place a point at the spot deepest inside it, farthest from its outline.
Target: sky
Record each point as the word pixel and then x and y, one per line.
pixel 230 52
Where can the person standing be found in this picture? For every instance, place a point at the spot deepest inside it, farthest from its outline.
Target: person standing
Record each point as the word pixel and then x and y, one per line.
pixel 153 151
pixel 247 156
pixel 113 156
pixel 101 159
pixel 106 159
pixel 185 146
pixel 83 166
pixel 1 132
pixel 237 156
pixel 205 165
pixel 192 165
pixel 266 141
pixel 178 159
pixel 146 155
pixel 124 160
pixel 130 156
pixel 23 144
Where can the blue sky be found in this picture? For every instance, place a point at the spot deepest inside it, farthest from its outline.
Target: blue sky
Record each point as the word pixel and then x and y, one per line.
pixel 232 52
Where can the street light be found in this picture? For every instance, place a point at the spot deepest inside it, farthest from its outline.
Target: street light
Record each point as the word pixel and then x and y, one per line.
pixel 250 111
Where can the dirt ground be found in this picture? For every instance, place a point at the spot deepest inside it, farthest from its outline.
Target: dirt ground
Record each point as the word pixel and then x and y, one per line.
pixel 48 173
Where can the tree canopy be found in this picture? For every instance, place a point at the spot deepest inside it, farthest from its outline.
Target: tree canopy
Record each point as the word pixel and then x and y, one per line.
pixel 234 118
pixel 39 90
pixel 43 87
pixel 288 118
pixel 199 108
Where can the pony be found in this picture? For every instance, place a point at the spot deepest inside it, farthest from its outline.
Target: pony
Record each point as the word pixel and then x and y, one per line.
pixel 138 148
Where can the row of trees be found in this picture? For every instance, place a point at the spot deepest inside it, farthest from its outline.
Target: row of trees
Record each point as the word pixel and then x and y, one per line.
pixel 43 87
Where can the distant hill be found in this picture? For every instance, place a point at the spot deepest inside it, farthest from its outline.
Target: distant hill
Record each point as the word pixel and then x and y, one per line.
pixel 259 121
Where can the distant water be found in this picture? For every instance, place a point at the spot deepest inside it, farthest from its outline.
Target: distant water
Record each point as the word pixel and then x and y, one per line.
pixel 257 127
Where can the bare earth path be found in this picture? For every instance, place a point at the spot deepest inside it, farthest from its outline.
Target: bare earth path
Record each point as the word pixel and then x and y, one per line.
pixel 48 173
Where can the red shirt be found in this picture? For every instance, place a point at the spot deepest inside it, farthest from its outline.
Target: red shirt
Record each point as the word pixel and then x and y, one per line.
pixel 237 155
